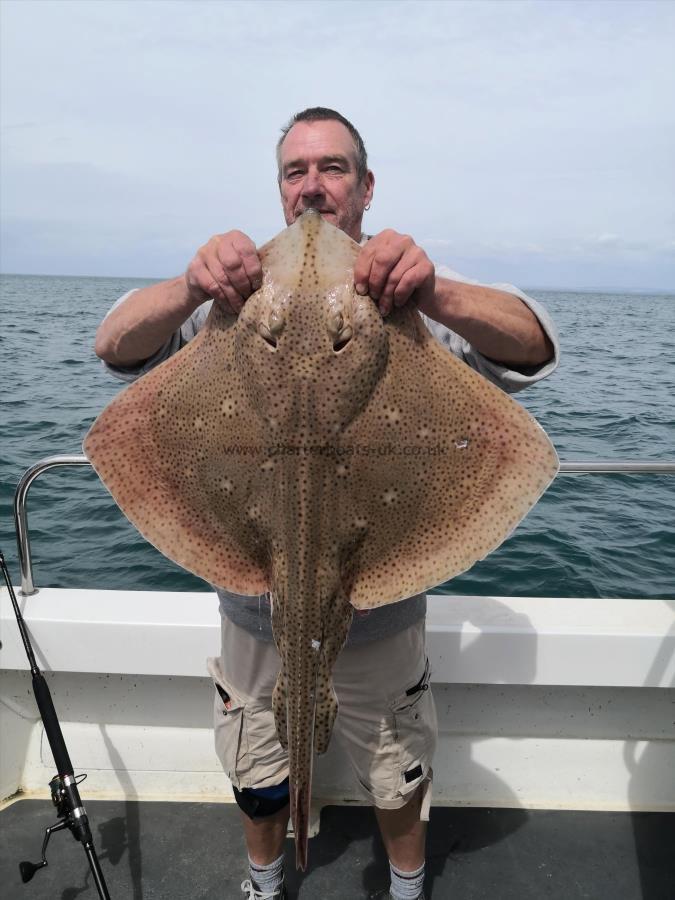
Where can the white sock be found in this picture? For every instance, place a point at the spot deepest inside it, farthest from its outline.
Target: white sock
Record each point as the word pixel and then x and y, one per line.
pixel 406 885
pixel 267 878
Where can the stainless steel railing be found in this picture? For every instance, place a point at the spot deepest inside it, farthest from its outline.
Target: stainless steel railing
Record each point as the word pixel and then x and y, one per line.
pixel 21 513
pixel 622 467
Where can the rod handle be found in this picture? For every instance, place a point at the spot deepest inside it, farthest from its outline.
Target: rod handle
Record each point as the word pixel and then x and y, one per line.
pixel 52 726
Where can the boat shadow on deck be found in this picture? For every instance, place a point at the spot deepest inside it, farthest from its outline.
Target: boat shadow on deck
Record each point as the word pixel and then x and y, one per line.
pixel 165 851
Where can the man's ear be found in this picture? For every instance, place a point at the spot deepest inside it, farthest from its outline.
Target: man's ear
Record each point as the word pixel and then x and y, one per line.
pixel 369 181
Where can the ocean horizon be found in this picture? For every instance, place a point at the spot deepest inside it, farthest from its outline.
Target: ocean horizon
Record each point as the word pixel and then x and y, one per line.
pixel 576 289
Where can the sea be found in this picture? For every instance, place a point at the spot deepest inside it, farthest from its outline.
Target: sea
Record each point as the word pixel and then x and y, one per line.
pixel 613 398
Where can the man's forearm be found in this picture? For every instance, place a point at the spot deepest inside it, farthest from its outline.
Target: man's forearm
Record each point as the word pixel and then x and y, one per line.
pixel 498 324
pixel 143 322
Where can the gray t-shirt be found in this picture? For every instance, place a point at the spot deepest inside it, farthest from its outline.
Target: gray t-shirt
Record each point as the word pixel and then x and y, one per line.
pixel 253 613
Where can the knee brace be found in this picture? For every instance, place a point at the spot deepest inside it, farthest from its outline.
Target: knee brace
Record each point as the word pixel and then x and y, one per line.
pixel 260 802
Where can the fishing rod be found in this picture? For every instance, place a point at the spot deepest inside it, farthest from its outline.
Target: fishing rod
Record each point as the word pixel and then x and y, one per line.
pixel 65 796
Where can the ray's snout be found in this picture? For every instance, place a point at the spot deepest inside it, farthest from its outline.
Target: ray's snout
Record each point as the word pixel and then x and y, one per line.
pixel 308 343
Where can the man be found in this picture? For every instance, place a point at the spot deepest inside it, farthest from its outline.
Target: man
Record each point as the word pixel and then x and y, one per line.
pixel 386 717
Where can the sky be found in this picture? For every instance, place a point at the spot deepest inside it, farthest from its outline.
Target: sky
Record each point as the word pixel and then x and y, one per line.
pixel 522 142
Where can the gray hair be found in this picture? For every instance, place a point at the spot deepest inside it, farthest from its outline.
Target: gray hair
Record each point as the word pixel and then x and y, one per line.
pixel 323 114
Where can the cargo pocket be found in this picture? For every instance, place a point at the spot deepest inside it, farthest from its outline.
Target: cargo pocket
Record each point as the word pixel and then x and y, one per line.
pixel 415 732
pixel 229 725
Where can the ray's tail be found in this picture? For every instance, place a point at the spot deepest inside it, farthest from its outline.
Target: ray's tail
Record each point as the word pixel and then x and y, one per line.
pixel 301 798
pixel 294 705
pixel 305 704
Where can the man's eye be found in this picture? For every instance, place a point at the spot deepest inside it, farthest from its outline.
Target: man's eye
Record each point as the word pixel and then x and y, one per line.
pixel 333 169
pixel 292 175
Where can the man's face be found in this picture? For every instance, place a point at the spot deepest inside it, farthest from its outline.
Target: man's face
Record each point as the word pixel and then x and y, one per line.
pixel 318 171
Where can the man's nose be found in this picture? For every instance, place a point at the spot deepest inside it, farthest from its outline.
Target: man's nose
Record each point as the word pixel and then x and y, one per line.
pixel 312 185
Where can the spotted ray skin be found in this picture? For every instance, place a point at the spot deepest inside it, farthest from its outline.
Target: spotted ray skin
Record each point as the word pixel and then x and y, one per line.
pixel 313 449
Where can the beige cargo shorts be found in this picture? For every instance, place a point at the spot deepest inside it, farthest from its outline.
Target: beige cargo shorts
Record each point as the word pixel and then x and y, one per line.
pixel 386 719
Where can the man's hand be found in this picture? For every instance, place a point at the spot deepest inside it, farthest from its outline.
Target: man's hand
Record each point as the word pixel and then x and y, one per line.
pixel 226 268
pixel 391 268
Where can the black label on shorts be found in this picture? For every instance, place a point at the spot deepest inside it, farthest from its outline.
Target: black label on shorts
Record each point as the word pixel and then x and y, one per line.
pixel 412 774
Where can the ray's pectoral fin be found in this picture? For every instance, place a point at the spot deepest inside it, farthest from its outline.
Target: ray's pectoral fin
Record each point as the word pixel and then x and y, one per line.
pixel 158 448
pixel 465 464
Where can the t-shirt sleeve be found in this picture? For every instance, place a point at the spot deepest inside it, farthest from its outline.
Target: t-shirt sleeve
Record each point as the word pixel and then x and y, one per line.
pixel 510 380
pixel 178 339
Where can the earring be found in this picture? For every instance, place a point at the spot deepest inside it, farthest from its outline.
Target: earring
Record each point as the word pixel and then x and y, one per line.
pixel 367 207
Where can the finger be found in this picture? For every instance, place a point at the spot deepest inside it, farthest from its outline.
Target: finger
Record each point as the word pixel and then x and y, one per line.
pixel 383 263
pixel 362 269
pixel 405 264
pixel 422 280
pixel 212 279
pixel 251 262
pixel 232 264
pixel 199 277
pixel 408 284
pixel 225 292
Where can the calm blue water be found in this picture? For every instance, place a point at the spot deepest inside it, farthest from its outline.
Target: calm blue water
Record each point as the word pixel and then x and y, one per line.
pixel 590 536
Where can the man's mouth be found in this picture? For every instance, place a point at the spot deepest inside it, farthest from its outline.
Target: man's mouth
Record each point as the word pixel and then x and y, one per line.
pixel 322 212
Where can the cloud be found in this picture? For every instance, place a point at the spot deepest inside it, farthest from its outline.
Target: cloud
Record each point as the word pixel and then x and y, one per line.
pixel 513 131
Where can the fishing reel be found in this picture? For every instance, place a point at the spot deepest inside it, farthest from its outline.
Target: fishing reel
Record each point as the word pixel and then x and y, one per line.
pixel 70 815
